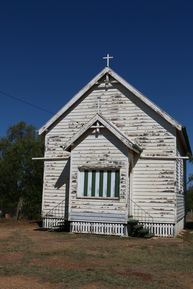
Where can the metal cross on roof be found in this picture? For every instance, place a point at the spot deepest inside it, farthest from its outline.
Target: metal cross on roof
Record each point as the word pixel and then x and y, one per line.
pixel 108 57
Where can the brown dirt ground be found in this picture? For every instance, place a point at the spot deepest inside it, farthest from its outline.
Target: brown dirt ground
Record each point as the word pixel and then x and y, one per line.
pixel 11 257
pixel 23 282
pixel 50 245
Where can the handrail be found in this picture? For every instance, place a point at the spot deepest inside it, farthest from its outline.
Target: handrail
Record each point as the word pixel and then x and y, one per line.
pixel 141 214
pixel 57 211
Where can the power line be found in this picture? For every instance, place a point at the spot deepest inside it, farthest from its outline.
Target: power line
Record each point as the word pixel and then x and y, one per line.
pixel 25 102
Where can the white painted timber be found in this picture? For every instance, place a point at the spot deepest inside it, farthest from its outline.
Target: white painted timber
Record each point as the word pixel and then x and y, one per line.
pixel 114 130
pixel 98 228
pixel 154 188
pixel 179 227
pixel 180 206
pixel 152 178
pixel 160 229
pixel 115 76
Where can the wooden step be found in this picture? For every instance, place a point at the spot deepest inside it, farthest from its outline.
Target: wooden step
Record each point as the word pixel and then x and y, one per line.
pixel 137 227
pixel 142 232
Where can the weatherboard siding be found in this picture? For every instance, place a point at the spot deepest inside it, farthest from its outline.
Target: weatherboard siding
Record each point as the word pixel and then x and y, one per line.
pixel 153 188
pixel 54 189
pixel 180 207
pixel 153 185
pixel 139 125
pixel 180 181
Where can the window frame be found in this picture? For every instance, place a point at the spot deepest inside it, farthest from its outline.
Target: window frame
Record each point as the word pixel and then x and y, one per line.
pixel 90 196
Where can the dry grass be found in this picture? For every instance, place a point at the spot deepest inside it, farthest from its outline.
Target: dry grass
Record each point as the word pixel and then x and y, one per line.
pixel 34 259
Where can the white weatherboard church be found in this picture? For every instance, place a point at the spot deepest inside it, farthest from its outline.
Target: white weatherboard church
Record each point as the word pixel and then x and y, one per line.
pixel 111 154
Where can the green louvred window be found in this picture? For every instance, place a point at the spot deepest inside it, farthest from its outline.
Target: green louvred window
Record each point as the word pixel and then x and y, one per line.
pixel 99 183
pixel 93 183
pixel 108 183
pixel 117 181
pixel 85 183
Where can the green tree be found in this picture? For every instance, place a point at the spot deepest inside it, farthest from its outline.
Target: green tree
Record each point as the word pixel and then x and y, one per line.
pixel 190 198
pixel 20 177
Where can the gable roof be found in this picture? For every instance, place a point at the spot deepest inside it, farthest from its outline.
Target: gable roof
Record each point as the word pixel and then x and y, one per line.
pixel 111 127
pixel 181 130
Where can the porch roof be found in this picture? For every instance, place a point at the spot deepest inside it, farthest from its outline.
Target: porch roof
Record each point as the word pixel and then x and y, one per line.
pixel 107 124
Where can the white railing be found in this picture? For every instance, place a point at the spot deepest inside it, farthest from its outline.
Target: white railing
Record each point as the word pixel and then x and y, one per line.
pixel 54 217
pixel 144 218
pixel 57 211
pixel 139 213
pixel 98 228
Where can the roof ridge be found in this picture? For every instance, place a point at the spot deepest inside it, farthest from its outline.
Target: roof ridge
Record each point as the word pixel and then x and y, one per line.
pixel 131 88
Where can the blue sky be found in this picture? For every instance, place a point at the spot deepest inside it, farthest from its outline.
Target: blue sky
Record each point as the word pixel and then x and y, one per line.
pixel 49 49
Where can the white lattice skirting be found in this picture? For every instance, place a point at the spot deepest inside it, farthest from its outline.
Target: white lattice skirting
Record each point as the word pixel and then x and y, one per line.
pixel 165 230
pixel 98 228
pixel 49 223
pixel 159 230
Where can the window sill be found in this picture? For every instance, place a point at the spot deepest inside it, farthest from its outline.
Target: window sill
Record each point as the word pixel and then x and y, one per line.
pixel 98 198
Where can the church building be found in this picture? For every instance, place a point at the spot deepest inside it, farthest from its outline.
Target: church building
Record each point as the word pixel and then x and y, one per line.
pixel 111 155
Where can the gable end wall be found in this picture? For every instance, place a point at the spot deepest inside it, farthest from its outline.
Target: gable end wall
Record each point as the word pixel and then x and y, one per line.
pixel 153 181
